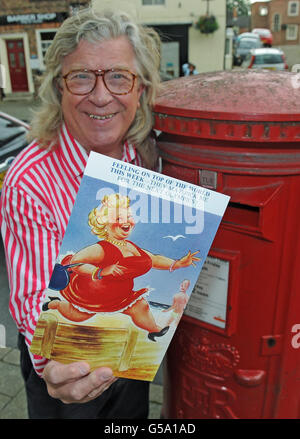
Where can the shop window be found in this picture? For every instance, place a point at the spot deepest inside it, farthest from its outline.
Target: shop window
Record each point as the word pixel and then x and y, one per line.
pixel 44 40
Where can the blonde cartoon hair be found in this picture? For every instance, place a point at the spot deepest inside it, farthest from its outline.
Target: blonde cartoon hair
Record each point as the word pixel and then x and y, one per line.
pixel 107 212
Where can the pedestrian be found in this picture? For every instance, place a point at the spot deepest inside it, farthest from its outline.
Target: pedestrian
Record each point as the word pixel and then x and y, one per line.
pixel 189 69
pixel 97 93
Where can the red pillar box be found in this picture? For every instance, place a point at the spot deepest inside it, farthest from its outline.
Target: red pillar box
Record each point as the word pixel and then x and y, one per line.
pixel 236 351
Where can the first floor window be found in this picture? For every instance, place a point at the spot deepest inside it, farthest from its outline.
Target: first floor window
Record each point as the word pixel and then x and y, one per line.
pixel 293 8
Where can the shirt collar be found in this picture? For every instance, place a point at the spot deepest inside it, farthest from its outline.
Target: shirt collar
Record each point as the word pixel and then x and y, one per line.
pixel 75 156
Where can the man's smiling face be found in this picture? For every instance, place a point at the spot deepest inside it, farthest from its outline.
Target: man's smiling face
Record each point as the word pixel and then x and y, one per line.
pixel 100 120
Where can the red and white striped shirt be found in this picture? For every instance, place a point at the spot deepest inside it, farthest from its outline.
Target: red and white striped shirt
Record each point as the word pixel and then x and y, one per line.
pixel 36 202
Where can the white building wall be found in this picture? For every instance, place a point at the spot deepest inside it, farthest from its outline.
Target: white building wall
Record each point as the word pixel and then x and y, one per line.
pixel 205 51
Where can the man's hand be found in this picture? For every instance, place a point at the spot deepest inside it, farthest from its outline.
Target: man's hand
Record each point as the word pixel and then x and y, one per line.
pixel 75 383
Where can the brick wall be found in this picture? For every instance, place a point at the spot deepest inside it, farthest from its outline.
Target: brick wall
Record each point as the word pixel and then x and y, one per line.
pixel 31 6
pixel 281 7
pixel 258 21
pixel 276 7
pixel 22 7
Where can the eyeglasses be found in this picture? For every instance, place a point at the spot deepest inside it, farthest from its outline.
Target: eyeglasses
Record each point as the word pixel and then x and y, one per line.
pixel 117 81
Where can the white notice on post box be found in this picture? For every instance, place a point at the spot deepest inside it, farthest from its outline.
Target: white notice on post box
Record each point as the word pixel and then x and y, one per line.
pixel 208 301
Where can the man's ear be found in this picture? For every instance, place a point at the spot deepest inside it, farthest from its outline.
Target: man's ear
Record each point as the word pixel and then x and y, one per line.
pixel 141 90
pixel 58 85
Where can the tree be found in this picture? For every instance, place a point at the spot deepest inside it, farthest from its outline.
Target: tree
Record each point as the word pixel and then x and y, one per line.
pixel 243 7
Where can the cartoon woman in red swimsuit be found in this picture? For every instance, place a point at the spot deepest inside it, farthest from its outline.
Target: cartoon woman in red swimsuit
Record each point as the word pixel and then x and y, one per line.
pixel 104 277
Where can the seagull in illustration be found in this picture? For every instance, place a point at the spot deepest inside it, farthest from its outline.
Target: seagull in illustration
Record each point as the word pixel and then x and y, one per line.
pixel 174 238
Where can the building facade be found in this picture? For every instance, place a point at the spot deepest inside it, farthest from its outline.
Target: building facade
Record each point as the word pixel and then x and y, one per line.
pixel 27 28
pixel 282 17
pixel 182 42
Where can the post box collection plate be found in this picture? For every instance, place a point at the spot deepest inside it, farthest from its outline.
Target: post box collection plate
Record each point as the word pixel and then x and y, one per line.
pixel 208 301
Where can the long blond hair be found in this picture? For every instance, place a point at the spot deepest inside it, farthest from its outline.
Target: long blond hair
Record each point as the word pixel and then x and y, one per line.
pixel 98 26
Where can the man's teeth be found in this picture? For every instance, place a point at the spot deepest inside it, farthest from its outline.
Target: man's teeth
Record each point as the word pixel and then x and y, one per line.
pixel 94 116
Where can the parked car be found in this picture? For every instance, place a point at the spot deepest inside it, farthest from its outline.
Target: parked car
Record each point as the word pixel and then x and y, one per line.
pixel 265 58
pixel 12 140
pixel 265 36
pixel 248 35
pixel 243 48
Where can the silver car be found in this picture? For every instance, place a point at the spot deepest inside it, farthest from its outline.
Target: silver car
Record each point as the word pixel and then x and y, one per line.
pixel 265 58
pixel 243 48
pixel 248 35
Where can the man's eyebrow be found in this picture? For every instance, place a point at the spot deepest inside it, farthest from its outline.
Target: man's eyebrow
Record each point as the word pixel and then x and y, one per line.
pixel 120 67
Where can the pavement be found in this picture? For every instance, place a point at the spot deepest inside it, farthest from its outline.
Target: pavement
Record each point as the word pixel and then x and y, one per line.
pixel 13 403
pixel 20 108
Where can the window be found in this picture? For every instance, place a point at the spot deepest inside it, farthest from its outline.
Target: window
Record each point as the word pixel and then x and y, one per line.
pixel 44 39
pixel 263 11
pixel 153 2
pixel 268 59
pixel 276 22
pixel 293 8
pixel 292 32
pixel 246 43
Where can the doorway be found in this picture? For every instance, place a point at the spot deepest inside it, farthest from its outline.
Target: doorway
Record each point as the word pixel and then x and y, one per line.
pixel 17 66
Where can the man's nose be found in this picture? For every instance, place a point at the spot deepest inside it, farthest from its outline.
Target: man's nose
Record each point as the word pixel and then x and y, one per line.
pixel 100 92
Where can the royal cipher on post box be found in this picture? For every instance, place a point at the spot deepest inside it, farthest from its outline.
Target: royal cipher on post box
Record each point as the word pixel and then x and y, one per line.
pixel 236 351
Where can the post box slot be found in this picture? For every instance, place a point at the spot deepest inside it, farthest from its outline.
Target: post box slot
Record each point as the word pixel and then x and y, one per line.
pixel 242 214
pixel 253 209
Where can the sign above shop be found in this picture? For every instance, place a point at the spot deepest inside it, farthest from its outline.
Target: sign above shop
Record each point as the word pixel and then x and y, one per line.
pixel 33 18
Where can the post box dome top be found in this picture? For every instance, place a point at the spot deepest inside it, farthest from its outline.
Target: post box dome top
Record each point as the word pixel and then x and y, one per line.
pixel 233 95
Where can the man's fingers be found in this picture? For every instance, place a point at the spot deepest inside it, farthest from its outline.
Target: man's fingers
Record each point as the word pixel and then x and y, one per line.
pixel 74 382
pixel 96 392
pixel 89 387
pixel 56 373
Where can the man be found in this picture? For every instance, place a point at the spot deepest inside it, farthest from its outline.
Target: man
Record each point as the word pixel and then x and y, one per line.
pixel 102 73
